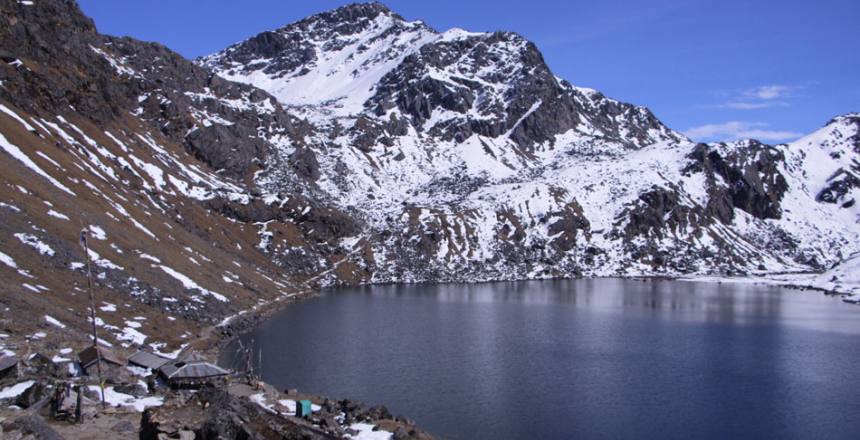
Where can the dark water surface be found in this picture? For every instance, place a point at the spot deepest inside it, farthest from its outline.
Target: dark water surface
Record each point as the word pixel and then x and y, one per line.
pixel 606 358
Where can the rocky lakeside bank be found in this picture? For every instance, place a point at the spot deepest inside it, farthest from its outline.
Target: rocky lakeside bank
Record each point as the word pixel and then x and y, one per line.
pixel 140 405
pixel 236 408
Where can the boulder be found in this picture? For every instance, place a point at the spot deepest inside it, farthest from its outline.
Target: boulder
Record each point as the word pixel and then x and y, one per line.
pixel 33 426
pixel 33 395
pixel 133 389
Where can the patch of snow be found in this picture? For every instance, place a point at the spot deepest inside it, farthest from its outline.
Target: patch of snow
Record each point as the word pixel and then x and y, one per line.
pixel 10 207
pixel 115 398
pixel 15 116
pixel 366 432
pixel 16 390
pixel 58 215
pixel 103 262
pixel 33 241
pixel 118 65
pixel 16 152
pixel 53 321
pixel 49 160
pixel 97 232
pixel 7 260
pixel 150 258
pixel 188 283
pixel 131 334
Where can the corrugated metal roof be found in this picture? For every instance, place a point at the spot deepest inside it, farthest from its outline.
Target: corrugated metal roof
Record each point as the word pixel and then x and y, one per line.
pixel 192 357
pixel 198 370
pixel 191 366
pixel 148 360
pixel 88 356
pixel 171 367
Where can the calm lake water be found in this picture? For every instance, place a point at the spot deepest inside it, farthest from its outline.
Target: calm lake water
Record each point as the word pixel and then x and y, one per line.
pixel 606 358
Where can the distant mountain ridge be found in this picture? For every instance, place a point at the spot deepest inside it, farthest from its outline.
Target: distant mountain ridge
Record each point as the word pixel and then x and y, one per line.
pixel 354 147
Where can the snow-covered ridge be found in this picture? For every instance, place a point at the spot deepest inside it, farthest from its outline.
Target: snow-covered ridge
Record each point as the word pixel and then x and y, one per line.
pixel 364 62
pixel 831 160
pixel 464 149
pixel 338 67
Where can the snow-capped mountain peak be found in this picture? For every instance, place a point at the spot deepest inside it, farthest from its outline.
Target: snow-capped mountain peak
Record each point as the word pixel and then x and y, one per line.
pixel 364 60
pixel 333 58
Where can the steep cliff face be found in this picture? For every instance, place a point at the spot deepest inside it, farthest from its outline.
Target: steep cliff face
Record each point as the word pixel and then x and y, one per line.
pixel 356 146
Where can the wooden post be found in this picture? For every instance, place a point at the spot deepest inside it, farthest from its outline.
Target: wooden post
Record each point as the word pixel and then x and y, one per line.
pixel 79 414
pixel 84 243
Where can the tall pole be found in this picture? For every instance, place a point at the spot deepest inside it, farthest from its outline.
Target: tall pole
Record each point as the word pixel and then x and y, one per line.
pixel 84 234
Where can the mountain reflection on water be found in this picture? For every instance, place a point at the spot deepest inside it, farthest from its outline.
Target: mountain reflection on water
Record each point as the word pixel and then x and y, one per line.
pixel 602 358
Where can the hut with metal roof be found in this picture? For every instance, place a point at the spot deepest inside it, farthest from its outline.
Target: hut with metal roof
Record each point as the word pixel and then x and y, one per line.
pixel 190 371
pixel 147 359
pixel 89 357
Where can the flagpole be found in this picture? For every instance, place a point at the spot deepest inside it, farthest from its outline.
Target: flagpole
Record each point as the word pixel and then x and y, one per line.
pixel 85 244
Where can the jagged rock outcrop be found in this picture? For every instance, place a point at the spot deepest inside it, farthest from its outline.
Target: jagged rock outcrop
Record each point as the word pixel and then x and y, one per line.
pixel 498 84
pixel 742 175
pixel 844 148
pixel 76 69
pixel 216 414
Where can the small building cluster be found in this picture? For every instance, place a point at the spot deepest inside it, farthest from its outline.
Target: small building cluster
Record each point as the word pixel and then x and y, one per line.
pixel 189 370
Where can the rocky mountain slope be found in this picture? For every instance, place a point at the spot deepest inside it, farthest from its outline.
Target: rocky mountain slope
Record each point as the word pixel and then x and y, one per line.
pixel 469 160
pixel 156 157
pixel 356 146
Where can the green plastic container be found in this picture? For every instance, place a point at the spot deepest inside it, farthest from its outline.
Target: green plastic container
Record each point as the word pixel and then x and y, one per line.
pixel 303 408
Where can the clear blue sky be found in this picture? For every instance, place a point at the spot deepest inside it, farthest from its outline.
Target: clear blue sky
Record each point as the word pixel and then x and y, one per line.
pixel 714 69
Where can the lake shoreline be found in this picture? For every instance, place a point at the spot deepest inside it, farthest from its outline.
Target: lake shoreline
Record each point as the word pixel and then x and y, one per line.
pixel 381 312
pixel 220 337
pixel 249 320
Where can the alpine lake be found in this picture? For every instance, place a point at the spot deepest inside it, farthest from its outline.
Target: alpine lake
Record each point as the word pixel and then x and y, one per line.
pixel 599 358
